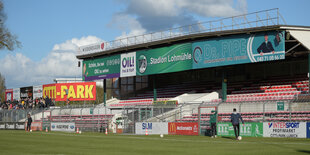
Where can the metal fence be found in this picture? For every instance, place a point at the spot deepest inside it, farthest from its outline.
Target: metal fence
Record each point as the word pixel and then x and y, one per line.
pixel 256 19
pixel 86 118
pixel 96 118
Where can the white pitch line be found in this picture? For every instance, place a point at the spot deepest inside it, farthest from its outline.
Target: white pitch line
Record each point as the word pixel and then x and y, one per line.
pixel 180 140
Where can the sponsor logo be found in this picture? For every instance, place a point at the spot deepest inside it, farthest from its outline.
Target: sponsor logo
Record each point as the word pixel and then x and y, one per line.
pixel 53 126
pixel 197 54
pixel 142 63
pixel 280 125
pixel 172 127
pixel 72 127
pixel 187 128
pixel 147 126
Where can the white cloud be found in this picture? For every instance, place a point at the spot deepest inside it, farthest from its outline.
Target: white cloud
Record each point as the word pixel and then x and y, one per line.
pixel 155 15
pixel 20 71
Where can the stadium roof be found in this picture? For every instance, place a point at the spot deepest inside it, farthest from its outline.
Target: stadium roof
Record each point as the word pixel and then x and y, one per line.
pixel 249 23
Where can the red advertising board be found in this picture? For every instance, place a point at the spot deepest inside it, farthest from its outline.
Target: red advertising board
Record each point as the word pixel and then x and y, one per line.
pixel 81 91
pixel 9 94
pixel 35 126
pixel 183 128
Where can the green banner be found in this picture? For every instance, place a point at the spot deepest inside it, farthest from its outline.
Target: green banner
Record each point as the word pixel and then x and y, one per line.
pixel 280 106
pixel 101 68
pixel 250 129
pixel 164 60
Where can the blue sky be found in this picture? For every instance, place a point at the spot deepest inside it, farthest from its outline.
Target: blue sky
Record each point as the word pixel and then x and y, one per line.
pixel 51 30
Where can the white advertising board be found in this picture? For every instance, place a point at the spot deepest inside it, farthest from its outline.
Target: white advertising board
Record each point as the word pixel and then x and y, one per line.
pixel 285 129
pixel 152 128
pixel 63 126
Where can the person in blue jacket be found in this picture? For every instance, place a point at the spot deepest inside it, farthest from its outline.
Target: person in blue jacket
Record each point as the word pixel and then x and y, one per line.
pixel 235 119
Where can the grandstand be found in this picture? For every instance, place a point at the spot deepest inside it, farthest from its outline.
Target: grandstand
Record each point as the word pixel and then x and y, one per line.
pixel 234 74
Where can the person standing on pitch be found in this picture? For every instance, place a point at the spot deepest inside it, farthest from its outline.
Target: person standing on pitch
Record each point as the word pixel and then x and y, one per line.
pixel 213 120
pixel 235 117
pixel 29 121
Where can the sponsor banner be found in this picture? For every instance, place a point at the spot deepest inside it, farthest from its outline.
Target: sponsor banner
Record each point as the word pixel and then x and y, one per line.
pixel 35 126
pixel 250 129
pixel 37 92
pixel 10 126
pixel 308 129
pixel 20 126
pixel 16 94
pixel 9 94
pixel 101 68
pixel 26 92
pixel 128 64
pixel 49 90
pixel 2 126
pixel 93 48
pixel 183 128
pixel 164 60
pixel 76 91
pixel 63 126
pixel 152 128
pixel 72 91
pixel 285 129
pixel 238 49
pixel 167 102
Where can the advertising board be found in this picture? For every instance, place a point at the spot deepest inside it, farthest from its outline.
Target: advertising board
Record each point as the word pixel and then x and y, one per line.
pixel 164 60
pixel 63 126
pixel 285 129
pixel 239 49
pixel 16 94
pixel 128 64
pixel 101 68
pixel 9 94
pixel 72 91
pixel 183 128
pixel 250 129
pixel 151 127
pixel 37 92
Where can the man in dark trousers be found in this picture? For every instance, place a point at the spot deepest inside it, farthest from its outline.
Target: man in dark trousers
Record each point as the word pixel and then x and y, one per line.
pixel 29 121
pixel 213 120
pixel 235 117
pixel 265 47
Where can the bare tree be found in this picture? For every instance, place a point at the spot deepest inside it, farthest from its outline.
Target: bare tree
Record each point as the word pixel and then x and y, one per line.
pixel 7 39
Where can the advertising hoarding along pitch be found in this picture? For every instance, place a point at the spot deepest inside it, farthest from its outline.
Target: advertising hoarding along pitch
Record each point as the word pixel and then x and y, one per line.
pixel 250 129
pixel 72 91
pixel 63 126
pixel 164 60
pixel 183 128
pixel 239 49
pixel 285 129
pixel 101 68
pixel 151 127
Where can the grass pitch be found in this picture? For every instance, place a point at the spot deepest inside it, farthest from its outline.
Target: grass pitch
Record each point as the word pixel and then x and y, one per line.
pixel 13 142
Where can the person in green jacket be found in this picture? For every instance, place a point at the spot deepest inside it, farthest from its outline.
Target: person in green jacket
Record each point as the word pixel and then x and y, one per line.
pixel 213 120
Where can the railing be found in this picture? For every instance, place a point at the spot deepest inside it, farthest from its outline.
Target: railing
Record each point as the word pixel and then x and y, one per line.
pixel 256 19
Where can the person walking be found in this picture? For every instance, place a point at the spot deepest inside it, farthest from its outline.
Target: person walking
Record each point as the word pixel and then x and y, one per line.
pixel 213 120
pixel 235 119
pixel 29 121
